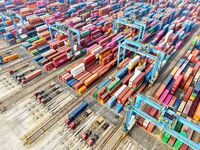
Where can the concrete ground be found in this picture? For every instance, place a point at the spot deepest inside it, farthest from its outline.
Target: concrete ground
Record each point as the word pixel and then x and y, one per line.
pixel 8 140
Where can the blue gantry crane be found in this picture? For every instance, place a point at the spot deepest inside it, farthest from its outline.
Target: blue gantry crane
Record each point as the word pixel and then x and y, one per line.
pixel 66 30
pixel 167 120
pixel 130 23
pixel 12 16
pixel 138 48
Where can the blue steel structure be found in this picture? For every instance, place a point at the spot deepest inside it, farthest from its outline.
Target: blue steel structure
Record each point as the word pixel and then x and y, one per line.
pixel 132 24
pixel 144 51
pixel 166 122
pixel 66 30
pixel 11 16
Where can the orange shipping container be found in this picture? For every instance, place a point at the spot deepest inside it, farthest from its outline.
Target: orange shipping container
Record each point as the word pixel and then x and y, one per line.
pixel 82 89
pixel 91 79
pixel 125 61
pixel 187 84
pixel 39 42
pixel 197 113
pixel 186 76
pixel 10 57
pixel 45 35
pixel 172 101
pixel 174 71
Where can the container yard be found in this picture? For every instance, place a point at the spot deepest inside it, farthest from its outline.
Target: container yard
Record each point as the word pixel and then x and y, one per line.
pixel 100 74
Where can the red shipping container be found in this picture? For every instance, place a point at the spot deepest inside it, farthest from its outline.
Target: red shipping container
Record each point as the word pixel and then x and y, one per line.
pixel 88 59
pixel 159 91
pixel 66 78
pixel 102 71
pixel 32 75
pixel 126 79
pixel 97 69
pixel 104 98
pixel 126 96
pixel 140 121
pixel 172 101
pixel 107 59
pixel 114 50
pixel 176 84
pixel 84 75
pixel 101 91
pixel 138 80
pixel 92 68
pixel 79 75
pixel 44 62
pixel 171 141
pixel 196 68
pixel 194 106
pixel 60 60
pixel 183 147
pixel 78 85
pixel 141 88
pixel 49 66
pixel 125 61
pixel 50 58
pixel 153 112
pixel 188 83
pixel 121 95
pixel 148 70
pixel 188 93
pixel 64 48
pixel 46 55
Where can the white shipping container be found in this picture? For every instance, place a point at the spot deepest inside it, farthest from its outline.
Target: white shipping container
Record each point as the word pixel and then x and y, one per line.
pixel 77 53
pixel 145 123
pixel 120 90
pixel 171 27
pixel 190 57
pixel 78 69
pixel 141 68
pixel 168 35
pixel 97 50
pixel 9 28
pixel 136 74
pixel 197 76
pixel 30 16
pixel 41 28
pixel 181 107
pixel 76 19
pixel 69 55
pixel 48 52
pixel 87 26
pixel 133 62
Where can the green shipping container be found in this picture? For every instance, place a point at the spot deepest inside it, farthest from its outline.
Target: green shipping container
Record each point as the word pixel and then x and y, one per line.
pixel 95 94
pixel 166 137
pixel 31 40
pixel 113 84
pixel 194 95
pixel 34 52
pixel 151 30
pixel 178 143
pixel 85 33
pixel 191 48
pixel 178 127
